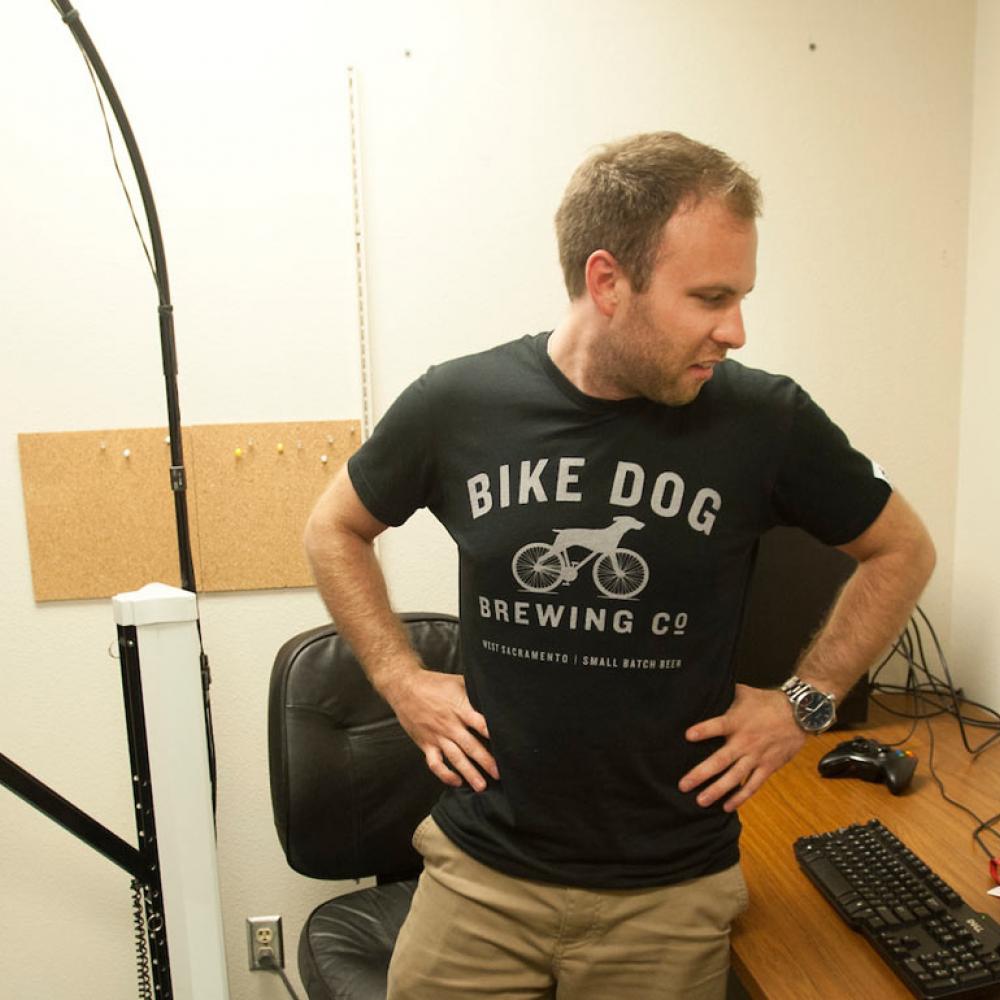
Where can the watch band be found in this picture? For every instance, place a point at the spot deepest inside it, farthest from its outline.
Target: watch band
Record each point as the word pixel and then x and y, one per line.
pixel 795 687
pixel 814 711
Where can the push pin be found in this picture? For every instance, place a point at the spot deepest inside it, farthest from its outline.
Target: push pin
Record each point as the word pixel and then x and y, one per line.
pixel 104 446
pixel 238 453
pixel 323 459
pixel 281 448
pixel 127 453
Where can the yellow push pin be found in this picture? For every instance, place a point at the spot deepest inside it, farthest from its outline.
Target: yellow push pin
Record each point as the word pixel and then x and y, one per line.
pixel 238 453
pixel 281 448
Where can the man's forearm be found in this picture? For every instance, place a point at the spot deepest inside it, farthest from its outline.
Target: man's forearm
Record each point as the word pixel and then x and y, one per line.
pixel 353 587
pixel 895 558
pixel 432 707
pixel 869 614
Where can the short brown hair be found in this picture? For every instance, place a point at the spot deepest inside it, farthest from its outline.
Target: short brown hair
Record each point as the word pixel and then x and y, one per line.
pixel 620 198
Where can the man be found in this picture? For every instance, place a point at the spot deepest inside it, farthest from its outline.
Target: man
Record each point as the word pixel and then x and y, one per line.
pixel 606 486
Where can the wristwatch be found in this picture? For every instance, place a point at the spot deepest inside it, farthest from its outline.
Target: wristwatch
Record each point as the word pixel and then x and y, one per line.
pixel 815 711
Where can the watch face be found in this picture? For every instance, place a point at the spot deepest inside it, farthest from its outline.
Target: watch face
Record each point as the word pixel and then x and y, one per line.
pixel 814 711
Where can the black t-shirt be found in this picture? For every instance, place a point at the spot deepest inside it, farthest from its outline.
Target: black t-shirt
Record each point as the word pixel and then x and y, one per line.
pixel 605 549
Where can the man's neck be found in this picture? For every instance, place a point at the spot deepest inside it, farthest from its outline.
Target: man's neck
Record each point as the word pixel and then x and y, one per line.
pixel 574 348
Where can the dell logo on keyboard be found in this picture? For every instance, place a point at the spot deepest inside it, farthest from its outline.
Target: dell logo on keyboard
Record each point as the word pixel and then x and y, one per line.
pixel 977 927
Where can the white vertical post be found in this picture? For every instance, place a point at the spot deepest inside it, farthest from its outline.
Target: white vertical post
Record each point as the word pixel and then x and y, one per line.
pixel 169 666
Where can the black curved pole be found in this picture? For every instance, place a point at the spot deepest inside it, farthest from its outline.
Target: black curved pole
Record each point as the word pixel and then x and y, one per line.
pixel 168 350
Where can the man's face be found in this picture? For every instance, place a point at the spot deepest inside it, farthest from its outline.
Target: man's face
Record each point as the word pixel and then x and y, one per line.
pixel 663 343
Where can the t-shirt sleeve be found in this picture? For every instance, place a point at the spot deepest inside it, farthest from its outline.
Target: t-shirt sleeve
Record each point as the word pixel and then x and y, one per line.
pixel 823 484
pixel 393 471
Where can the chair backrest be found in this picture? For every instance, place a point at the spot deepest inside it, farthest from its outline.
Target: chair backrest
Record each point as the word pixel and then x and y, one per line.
pixel 348 786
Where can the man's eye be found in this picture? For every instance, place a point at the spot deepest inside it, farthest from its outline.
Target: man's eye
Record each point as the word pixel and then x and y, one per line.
pixel 713 300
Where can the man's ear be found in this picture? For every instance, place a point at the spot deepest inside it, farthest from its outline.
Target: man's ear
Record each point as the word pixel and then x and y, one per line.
pixel 604 281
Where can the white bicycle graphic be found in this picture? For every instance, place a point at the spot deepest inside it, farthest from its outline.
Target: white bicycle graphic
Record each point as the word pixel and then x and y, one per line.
pixel 618 572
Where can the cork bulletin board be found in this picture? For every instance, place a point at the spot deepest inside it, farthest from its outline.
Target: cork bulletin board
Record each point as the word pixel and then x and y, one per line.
pixel 100 511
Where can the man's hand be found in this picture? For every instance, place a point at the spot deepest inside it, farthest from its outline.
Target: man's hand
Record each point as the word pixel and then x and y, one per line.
pixel 432 707
pixel 760 736
pixel 435 710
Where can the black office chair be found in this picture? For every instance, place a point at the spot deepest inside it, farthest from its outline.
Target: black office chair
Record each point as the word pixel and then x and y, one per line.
pixel 348 788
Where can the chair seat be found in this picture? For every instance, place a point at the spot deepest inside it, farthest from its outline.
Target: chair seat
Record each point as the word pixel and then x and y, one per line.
pixel 346 944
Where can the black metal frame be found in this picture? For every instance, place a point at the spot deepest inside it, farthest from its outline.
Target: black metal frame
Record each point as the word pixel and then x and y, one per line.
pixel 145 821
pixel 142 863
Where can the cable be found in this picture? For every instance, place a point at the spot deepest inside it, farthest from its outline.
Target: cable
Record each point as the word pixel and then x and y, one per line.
pixel 910 678
pixel 940 784
pixel 266 959
pixel 936 693
pixel 145 982
pixel 114 157
pixel 951 689
pixel 932 698
pixel 984 825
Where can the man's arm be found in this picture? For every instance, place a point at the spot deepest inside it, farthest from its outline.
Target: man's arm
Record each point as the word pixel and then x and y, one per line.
pixel 431 706
pixel 895 559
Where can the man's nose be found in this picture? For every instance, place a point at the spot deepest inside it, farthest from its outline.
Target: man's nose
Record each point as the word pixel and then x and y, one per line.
pixel 731 332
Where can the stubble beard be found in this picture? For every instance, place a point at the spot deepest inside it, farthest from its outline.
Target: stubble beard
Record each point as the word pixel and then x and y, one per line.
pixel 639 369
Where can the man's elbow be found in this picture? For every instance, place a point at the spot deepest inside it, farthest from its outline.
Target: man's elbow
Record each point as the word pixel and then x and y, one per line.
pixel 925 556
pixel 321 529
pixel 912 542
pixel 339 525
pixel 916 554
pixel 311 536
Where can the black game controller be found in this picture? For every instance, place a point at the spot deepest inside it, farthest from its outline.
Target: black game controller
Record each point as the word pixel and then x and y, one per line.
pixel 870 761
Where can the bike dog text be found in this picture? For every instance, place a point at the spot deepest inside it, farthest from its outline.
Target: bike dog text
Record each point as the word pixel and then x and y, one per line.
pixel 538 481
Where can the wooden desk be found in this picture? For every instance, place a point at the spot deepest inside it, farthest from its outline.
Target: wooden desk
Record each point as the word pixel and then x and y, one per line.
pixel 791 944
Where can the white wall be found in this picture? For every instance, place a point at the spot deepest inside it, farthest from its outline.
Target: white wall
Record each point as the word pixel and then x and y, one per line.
pixel 474 115
pixel 975 645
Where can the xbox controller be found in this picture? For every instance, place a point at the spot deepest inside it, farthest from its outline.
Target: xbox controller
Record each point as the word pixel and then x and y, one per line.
pixel 870 761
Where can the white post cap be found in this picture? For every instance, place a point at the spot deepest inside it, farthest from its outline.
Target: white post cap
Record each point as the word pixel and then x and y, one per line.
pixel 154 604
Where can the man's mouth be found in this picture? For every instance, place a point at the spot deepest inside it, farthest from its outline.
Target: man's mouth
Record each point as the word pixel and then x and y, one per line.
pixel 704 369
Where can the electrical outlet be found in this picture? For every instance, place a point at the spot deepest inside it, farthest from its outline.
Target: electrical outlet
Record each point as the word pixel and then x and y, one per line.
pixel 263 936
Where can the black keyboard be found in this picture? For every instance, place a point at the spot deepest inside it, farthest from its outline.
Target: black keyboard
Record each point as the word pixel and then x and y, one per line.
pixel 931 938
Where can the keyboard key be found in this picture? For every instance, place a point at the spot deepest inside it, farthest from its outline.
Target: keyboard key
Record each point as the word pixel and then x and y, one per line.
pixel 827 872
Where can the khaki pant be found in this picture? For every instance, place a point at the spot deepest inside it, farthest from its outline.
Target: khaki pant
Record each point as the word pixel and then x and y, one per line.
pixel 474 932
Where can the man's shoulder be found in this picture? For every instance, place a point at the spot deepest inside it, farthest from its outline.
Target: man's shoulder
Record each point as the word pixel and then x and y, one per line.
pixel 494 368
pixel 736 382
pixel 522 350
pixel 739 377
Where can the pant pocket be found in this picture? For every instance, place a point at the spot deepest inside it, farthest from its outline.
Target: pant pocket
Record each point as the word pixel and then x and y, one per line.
pixel 739 887
pixel 420 835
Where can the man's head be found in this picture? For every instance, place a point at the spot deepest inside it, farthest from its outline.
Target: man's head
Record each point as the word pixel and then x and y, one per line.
pixel 621 198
